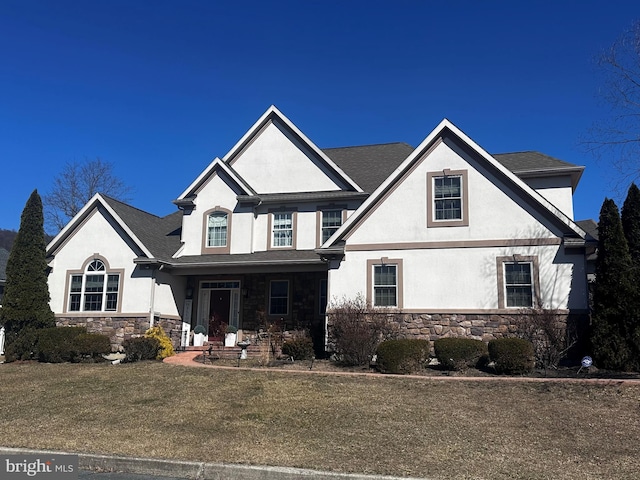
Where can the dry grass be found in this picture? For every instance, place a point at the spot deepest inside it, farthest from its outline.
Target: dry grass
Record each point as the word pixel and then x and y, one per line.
pixel 387 425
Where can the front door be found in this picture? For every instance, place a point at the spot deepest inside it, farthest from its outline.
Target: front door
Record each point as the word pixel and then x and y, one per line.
pixel 219 308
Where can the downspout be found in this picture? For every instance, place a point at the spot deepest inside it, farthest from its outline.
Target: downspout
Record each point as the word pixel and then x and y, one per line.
pixel 152 297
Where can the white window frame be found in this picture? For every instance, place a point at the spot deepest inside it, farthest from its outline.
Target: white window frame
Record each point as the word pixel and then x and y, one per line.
pixel 330 225
pixel 82 297
pixel 372 286
pixel 432 200
pixel 503 288
pixel 215 238
pixel 508 299
pixel 279 237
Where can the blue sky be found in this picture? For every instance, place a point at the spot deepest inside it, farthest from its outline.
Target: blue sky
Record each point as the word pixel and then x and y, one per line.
pixel 160 88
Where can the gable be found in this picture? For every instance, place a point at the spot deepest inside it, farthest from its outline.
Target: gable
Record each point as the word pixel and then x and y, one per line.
pixel 501 206
pixel 275 161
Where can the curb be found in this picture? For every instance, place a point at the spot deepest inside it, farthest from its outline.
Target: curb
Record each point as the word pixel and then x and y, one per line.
pixel 197 470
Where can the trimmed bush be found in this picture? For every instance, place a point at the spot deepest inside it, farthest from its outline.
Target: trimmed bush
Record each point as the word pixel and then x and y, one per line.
pixel 402 355
pixel 140 348
pixel 460 353
pixel 23 347
pixel 512 355
pixel 90 347
pixel 300 348
pixel 166 347
pixel 58 344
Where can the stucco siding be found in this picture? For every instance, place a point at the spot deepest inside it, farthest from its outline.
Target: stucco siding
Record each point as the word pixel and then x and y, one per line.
pixel 276 163
pixel 464 279
pixel 100 237
pixel 495 210
pixel 557 190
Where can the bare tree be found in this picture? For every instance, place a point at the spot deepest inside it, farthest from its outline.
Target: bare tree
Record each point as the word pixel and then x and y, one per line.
pixel 618 137
pixel 74 187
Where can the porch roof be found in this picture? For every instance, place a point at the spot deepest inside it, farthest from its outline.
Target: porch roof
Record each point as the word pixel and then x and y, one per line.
pixel 271 258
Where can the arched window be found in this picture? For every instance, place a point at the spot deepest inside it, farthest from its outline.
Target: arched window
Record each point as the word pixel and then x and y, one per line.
pixel 217 229
pixel 94 291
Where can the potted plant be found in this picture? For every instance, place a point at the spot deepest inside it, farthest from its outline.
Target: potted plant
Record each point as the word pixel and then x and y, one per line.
pixel 230 336
pixel 198 336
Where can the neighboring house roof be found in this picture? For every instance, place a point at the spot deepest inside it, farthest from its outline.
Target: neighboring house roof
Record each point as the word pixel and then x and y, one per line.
pixel 4 257
pixel 370 165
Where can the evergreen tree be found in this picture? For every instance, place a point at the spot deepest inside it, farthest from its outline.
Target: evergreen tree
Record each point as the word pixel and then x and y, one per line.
pixel 631 227
pixel 25 304
pixel 612 293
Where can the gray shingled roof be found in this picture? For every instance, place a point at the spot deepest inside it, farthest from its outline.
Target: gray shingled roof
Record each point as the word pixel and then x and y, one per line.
pixel 369 165
pixel 589 226
pixel 531 161
pixel 272 257
pixel 161 235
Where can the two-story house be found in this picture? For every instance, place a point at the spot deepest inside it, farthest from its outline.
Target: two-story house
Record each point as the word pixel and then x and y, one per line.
pixel 453 239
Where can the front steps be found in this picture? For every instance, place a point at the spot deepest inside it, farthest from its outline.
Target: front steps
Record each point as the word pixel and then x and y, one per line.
pixel 216 350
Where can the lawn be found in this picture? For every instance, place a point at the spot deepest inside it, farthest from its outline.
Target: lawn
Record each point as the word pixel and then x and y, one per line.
pixel 427 427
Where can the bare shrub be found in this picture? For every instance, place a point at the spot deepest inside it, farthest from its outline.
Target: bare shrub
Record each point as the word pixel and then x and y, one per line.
pixel 356 329
pixel 550 333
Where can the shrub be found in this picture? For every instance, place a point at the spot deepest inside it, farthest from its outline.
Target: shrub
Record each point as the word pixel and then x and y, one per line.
pixel 549 332
pixel 300 348
pixel 460 353
pixel 140 348
pixel 402 355
pixel 356 330
pixel 58 344
pixel 199 329
pixel 512 355
pixel 166 347
pixel 90 347
pixel 23 346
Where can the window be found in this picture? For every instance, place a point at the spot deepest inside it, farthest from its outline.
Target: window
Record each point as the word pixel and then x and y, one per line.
pixel 518 284
pixel 279 297
pixel 217 230
pixel 331 221
pixel 282 230
pixel 448 204
pixel 447 198
pixel 384 282
pixel 94 291
pixel 518 281
pixel 385 287
pixel 322 297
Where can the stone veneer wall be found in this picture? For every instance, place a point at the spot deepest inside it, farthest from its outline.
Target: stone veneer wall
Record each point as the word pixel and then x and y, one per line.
pixel 119 329
pixel 485 327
